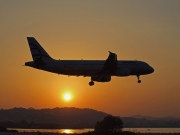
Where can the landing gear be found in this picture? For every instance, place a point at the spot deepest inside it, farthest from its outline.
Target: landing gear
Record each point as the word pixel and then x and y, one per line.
pixel 139 81
pixel 91 83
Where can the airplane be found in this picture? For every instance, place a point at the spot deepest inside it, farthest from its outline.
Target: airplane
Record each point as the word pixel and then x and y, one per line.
pixel 98 70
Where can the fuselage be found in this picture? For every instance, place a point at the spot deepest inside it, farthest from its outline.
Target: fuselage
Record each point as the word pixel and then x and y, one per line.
pixel 91 67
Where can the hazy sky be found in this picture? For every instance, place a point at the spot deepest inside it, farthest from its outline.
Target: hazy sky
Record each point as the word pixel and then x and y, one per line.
pixel 147 30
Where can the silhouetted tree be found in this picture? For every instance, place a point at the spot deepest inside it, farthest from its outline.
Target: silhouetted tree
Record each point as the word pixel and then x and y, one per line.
pixel 109 125
pixel 3 129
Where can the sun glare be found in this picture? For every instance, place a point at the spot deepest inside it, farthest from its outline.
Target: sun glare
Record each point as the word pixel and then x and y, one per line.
pixel 67 97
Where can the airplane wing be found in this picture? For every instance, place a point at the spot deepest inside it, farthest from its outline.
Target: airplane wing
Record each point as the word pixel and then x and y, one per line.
pixel 110 64
pixel 109 67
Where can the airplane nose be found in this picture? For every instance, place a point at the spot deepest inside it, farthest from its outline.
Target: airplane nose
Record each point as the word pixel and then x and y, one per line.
pixel 151 69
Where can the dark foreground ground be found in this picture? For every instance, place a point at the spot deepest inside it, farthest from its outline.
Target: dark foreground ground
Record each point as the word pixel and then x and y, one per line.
pixel 137 134
pixel 88 133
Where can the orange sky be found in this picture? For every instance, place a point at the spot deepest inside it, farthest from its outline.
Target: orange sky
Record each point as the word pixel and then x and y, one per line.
pixel 142 30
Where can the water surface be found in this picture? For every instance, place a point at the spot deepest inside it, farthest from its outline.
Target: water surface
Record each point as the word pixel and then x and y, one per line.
pixel 70 131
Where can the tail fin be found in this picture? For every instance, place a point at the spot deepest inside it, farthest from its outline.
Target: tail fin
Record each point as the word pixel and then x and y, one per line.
pixel 37 52
pixel 39 55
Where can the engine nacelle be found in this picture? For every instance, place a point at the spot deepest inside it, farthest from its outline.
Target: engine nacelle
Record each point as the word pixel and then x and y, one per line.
pixel 123 72
pixel 101 78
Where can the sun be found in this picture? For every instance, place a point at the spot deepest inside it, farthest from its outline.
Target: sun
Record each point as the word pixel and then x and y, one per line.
pixel 67 97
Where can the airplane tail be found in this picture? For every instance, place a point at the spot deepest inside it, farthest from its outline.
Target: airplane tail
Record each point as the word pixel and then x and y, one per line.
pixel 39 55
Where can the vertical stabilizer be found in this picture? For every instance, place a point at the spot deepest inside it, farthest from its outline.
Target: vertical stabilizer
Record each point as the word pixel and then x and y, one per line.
pixel 39 55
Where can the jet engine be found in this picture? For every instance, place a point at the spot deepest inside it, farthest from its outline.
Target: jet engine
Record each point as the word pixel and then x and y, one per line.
pixel 101 78
pixel 123 72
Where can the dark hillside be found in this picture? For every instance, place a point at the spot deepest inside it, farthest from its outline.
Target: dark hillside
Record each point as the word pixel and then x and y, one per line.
pixel 50 118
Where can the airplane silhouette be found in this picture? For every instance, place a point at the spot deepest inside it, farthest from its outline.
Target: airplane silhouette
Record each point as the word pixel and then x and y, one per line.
pixel 98 70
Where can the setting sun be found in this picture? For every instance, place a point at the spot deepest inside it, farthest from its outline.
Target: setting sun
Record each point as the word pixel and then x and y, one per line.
pixel 67 97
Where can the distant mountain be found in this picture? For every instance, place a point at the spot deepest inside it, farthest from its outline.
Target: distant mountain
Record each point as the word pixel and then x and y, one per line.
pixel 154 118
pixel 74 118
pixel 150 122
pixel 50 118
pixel 143 117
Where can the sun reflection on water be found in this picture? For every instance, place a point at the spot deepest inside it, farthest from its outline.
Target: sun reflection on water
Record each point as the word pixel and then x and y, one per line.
pixel 68 131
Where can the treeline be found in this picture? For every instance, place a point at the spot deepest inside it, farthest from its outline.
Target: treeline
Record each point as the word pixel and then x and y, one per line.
pixel 35 125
